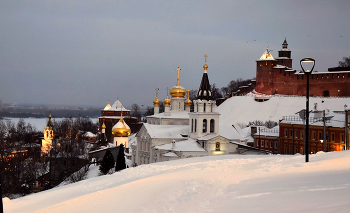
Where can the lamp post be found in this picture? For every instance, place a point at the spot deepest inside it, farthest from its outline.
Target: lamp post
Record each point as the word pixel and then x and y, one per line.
pixel 307 73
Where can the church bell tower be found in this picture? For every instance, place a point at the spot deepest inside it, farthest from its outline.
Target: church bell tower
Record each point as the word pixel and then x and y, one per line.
pixel 204 120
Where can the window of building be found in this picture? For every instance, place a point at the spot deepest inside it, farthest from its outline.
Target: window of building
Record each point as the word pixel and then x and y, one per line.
pixel 333 137
pixel 212 125
pixel 320 136
pixel 257 143
pixel 291 133
pixel 313 135
pixel 271 144
pixel 192 125
pixel 195 125
pixel 302 134
pixel 262 143
pixel 276 145
pixel 204 107
pixel 285 133
pixel 267 144
pixel 204 125
pixel 285 149
pixel 296 133
pixel 291 149
pixel 217 146
pixel 341 138
pixel 296 149
pixel 301 150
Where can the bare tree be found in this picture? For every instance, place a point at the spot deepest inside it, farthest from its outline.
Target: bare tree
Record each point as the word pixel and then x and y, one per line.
pixel 345 62
pixel 136 111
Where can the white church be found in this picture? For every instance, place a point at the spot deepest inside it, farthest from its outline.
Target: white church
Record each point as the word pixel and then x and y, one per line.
pixel 178 133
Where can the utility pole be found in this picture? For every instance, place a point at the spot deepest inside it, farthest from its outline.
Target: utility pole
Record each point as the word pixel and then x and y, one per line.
pixel 324 130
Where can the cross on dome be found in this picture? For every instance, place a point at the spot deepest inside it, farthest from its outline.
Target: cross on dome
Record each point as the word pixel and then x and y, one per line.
pixel 178 76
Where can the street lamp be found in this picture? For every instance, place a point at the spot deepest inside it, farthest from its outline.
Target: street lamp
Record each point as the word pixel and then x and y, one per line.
pixel 307 73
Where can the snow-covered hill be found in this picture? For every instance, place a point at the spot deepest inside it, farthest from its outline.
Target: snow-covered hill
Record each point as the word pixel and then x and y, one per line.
pixel 229 183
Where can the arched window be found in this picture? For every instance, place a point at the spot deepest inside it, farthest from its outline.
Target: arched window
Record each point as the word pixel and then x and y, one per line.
pixel 204 125
pixel 192 125
pixel 212 125
pixel 195 125
pixel 217 146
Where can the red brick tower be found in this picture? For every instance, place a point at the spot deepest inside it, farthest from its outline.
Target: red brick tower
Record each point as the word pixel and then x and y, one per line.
pixel 264 73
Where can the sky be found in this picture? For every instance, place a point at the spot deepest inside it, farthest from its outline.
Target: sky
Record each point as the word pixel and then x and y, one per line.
pixel 84 53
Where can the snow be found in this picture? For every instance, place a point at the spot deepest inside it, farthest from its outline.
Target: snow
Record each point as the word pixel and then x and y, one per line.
pixel 166 131
pixel 226 183
pixel 242 109
pixel 89 134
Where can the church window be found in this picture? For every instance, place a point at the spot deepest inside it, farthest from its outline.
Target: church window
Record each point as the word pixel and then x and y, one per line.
pixel 192 126
pixel 204 107
pixel 47 133
pixel 204 125
pixel 195 125
pixel 212 125
pixel 217 146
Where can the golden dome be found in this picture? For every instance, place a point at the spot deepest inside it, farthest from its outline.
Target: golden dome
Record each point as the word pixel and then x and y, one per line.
pixel 188 102
pixel 178 92
pixel 167 101
pixel 156 101
pixel 121 129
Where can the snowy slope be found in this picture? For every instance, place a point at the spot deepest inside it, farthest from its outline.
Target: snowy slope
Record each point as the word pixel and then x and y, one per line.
pixel 242 109
pixel 229 183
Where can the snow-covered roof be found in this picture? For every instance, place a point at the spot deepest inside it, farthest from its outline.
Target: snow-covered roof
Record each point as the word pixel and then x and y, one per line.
pixel 266 55
pixel 262 130
pixel 170 154
pixel 315 119
pixel 117 106
pixel 121 124
pixel 173 114
pixel 166 131
pixel 242 109
pixel 188 145
pixel 89 134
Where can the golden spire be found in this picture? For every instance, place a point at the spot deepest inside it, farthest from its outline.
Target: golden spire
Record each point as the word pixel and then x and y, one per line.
pixel 188 101
pixel 121 113
pixel 167 101
pixel 156 101
pixel 103 124
pixel 178 76
pixel 205 66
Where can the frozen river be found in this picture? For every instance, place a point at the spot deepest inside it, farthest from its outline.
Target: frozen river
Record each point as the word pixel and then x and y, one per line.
pixel 40 123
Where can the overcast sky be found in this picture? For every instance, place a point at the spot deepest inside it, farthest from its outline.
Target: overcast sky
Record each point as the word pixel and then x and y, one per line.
pixel 88 52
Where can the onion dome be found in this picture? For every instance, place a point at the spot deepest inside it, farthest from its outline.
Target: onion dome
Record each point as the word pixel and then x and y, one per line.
pixel 178 91
pixel 167 101
pixel 121 129
pixel 156 101
pixel 188 102
pixel 108 106
pixel 49 123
